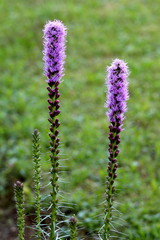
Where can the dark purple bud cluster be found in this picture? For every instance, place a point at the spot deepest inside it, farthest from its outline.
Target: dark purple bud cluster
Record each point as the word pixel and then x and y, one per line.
pixel 54 105
pixel 73 220
pixel 113 149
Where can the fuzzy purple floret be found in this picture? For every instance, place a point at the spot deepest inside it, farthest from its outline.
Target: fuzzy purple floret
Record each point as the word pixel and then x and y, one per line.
pixel 54 50
pixel 117 94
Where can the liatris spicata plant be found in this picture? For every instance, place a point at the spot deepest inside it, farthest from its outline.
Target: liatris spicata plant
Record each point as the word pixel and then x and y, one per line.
pixel 117 95
pixel 54 55
pixel 73 228
pixel 18 191
pixel 37 178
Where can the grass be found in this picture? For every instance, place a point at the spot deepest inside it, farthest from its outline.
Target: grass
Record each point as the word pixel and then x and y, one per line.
pixel 98 32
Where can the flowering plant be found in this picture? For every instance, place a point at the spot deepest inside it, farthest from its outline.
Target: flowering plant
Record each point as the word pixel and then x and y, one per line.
pixel 117 95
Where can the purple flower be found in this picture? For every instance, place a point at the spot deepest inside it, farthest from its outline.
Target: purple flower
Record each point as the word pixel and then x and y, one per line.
pixel 54 51
pixel 117 90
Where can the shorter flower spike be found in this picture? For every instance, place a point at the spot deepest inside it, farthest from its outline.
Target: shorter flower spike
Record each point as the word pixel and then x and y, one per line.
pixel 18 191
pixel 37 178
pixel 117 95
pixel 73 228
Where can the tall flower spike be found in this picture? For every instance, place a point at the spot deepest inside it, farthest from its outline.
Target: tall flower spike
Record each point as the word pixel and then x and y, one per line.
pixel 18 192
pixel 54 55
pixel 117 96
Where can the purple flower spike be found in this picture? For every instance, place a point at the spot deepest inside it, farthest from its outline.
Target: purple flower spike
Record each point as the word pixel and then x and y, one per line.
pixel 117 95
pixel 54 51
pixel 54 55
pixel 117 90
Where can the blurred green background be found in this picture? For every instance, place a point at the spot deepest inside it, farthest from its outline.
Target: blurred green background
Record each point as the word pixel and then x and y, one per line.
pixel 98 32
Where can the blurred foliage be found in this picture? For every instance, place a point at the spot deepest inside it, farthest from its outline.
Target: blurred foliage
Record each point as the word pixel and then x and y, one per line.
pixel 98 32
